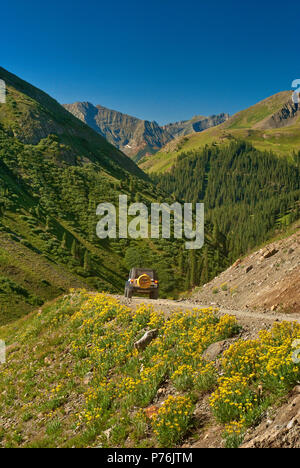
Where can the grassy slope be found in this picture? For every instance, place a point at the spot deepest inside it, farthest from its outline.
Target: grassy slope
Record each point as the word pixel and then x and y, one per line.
pixel 243 125
pixel 30 273
pixel 73 378
pixel 32 254
pixel 32 115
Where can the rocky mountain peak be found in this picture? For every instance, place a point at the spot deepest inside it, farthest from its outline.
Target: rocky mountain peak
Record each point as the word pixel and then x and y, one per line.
pixel 137 137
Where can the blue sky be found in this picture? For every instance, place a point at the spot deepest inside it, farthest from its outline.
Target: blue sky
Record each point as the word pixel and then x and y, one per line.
pixel 162 60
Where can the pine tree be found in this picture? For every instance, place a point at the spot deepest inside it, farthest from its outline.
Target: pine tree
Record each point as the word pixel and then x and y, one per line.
pixel 74 249
pixel 87 259
pixel 64 241
pixel 38 211
pixel 48 222
pixel 216 233
pixel 181 262
pixel 131 185
pixel 92 222
pixel 205 269
pixel 193 263
pixel 187 281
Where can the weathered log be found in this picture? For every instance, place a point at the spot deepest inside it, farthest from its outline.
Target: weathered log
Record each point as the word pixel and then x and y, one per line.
pixel 146 339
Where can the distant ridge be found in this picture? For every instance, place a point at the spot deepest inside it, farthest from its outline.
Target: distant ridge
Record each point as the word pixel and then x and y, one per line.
pixel 133 136
pixel 272 124
pixel 195 125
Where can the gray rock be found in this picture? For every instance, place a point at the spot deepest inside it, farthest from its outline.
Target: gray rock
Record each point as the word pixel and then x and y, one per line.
pixel 216 349
pixel 269 253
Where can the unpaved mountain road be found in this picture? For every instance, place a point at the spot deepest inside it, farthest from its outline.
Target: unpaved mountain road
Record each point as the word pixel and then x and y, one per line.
pixel 251 321
pixel 259 289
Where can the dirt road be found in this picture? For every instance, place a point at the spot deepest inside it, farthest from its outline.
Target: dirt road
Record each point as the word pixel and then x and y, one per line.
pixel 251 321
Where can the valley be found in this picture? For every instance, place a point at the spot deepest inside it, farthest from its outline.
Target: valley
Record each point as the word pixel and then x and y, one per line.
pixel 218 370
pixel 55 170
pixel 149 228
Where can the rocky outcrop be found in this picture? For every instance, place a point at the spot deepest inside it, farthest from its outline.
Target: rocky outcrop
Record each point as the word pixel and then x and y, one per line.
pixel 286 116
pixel 280 430
pixel 265 280
pixel 136 137
pixel 194 125
pixel 215 350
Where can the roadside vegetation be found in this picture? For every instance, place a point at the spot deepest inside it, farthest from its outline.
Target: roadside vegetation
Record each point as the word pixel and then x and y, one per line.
pixel 74 378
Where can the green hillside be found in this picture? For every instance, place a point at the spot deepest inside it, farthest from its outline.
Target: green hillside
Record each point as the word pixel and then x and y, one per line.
pixel 272 124
pixel 54 170
pixel 248 194
pixel 31 115
pixel 246 171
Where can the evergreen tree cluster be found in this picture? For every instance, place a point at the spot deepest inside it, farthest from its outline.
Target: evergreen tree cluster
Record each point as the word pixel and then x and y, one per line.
pixel 248 194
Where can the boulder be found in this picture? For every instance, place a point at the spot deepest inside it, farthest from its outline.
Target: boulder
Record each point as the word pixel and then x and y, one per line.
pixel 269 253
pixel 237 263
pixel 216 349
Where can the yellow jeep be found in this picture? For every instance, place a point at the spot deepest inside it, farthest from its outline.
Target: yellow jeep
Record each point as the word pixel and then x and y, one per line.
pixel 142 280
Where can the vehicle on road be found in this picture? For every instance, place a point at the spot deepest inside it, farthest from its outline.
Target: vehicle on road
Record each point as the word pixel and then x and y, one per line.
pixel 142 281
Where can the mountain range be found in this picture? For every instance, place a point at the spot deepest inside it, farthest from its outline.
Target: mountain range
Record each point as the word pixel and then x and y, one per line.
pixel 272 124
pixel 136 137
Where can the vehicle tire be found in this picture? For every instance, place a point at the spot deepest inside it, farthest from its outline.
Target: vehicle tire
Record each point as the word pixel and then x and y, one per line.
pixel 154 295
pixel 129 294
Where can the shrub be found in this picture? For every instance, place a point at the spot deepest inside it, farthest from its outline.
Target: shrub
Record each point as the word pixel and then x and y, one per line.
pixel 173 419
